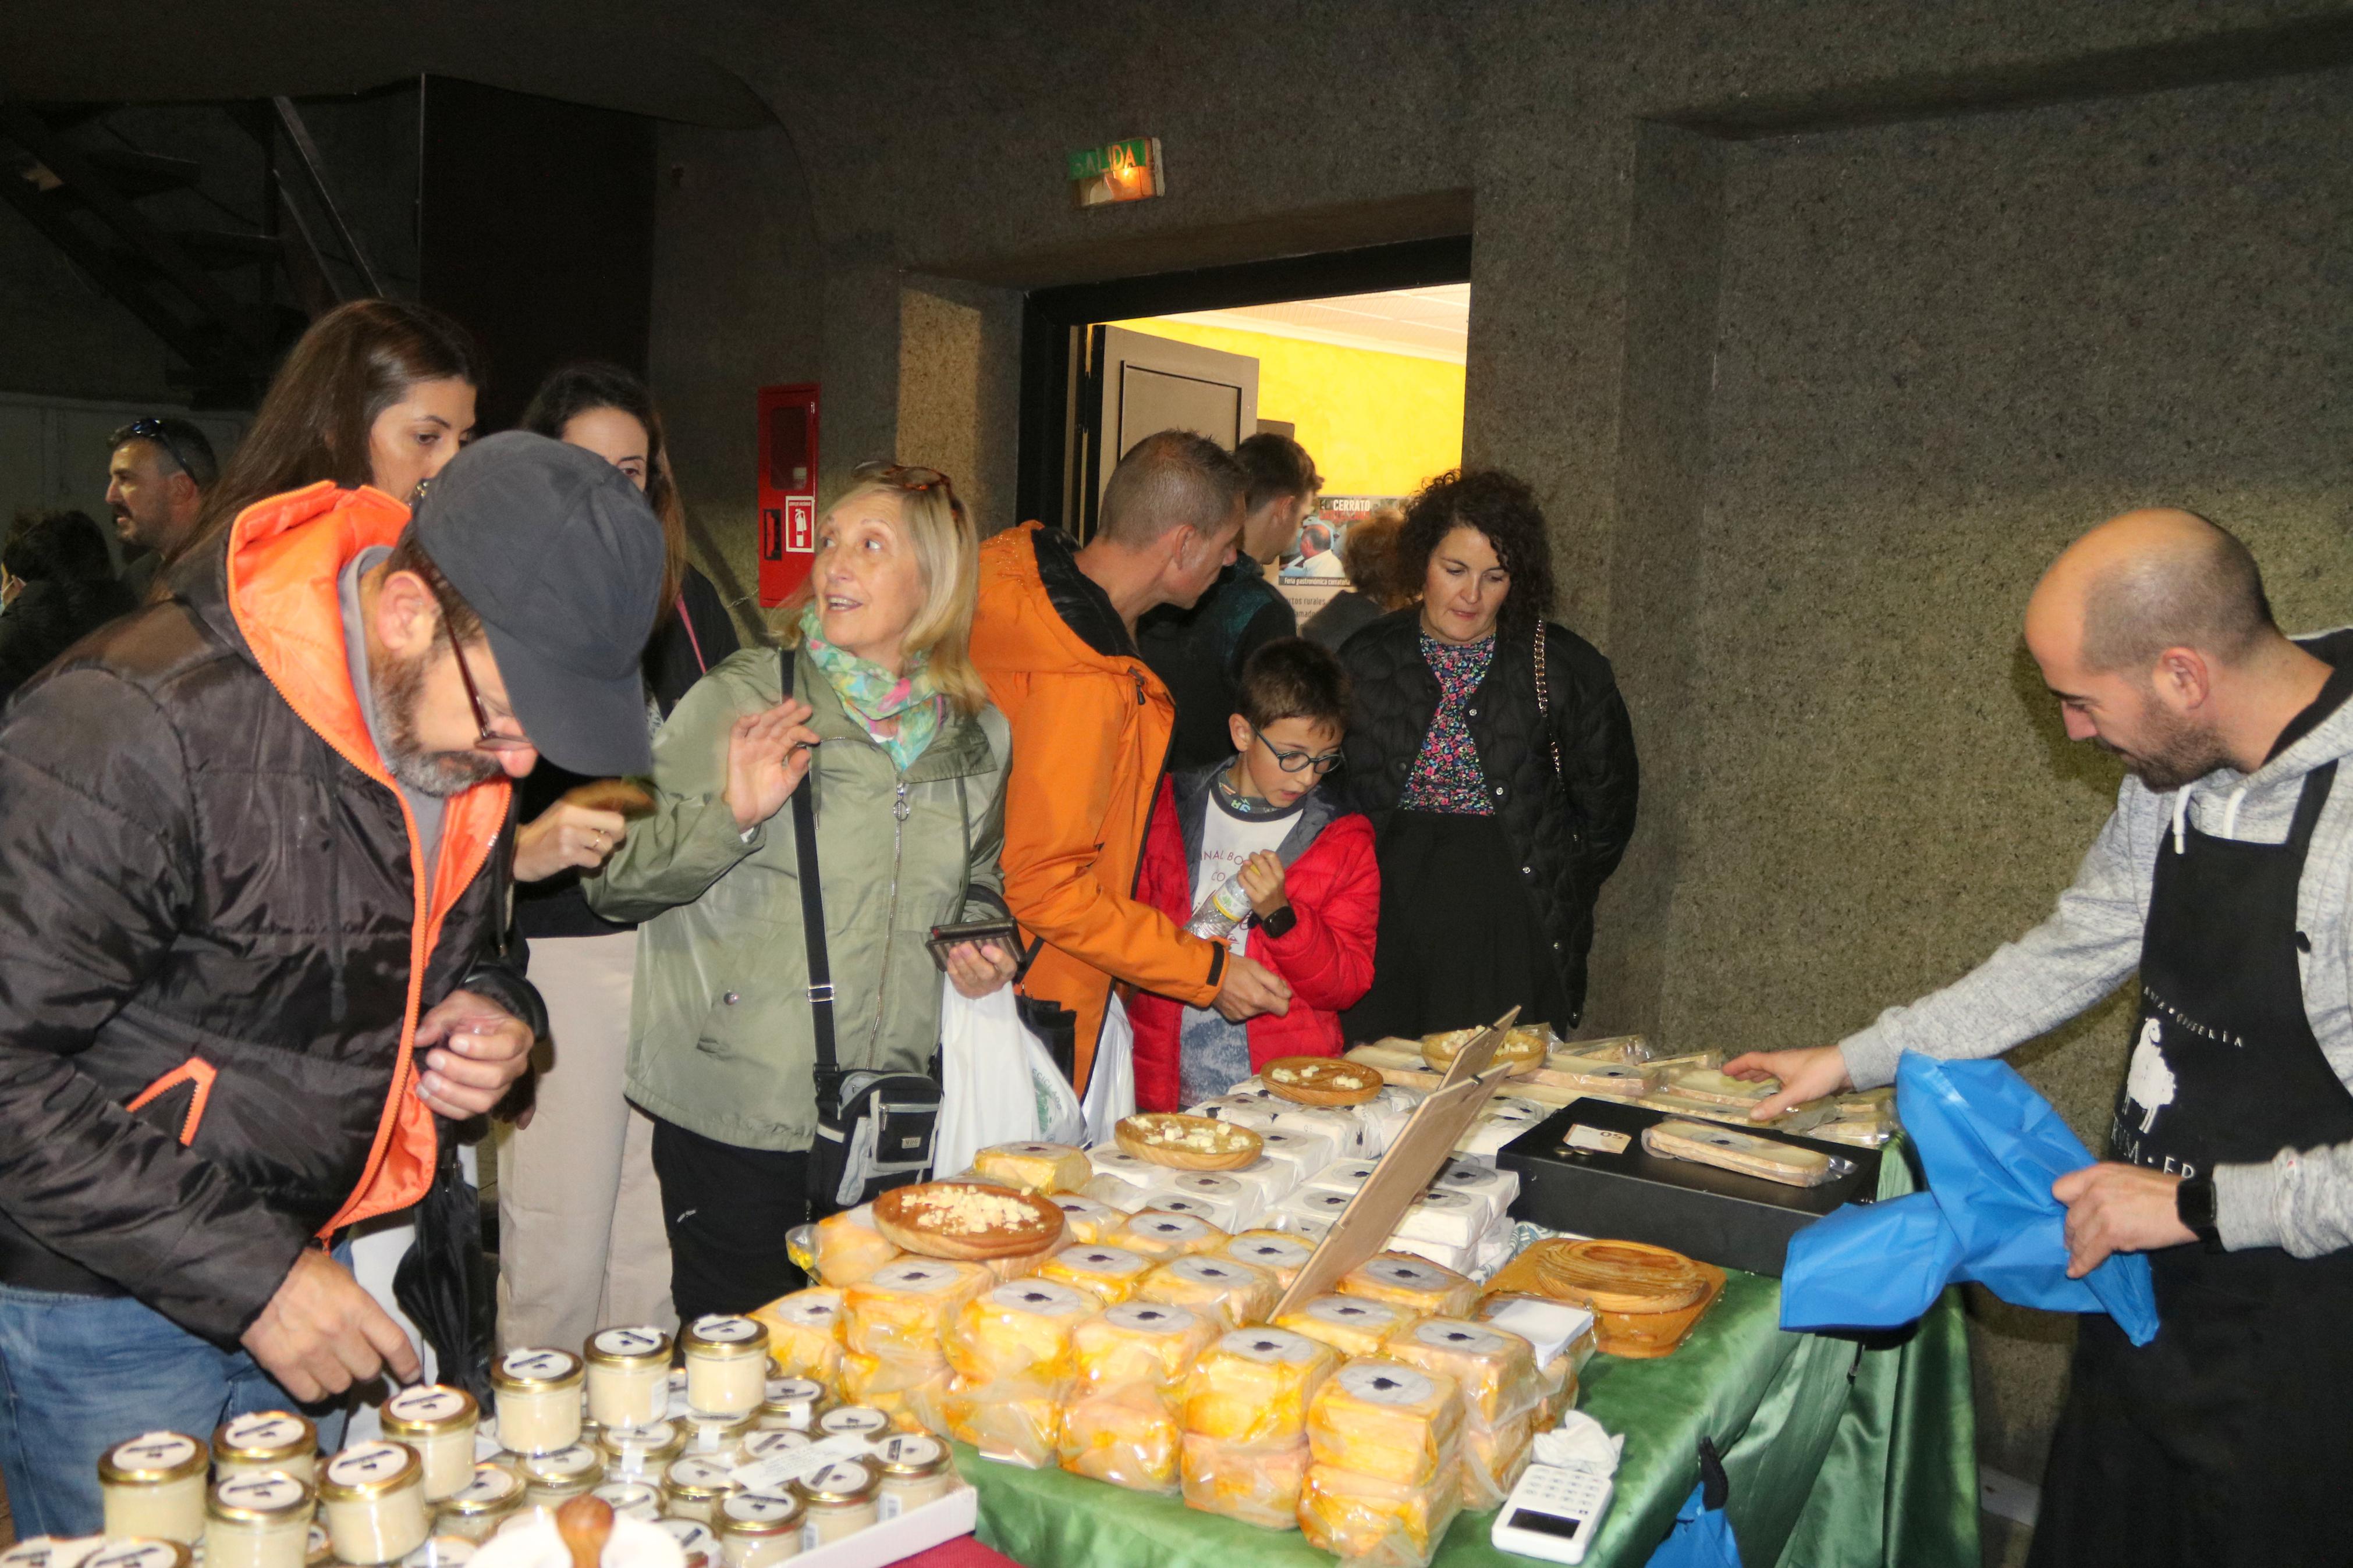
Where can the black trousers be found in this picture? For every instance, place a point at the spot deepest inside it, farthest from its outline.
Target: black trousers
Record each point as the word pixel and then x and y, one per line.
pixel 728 1211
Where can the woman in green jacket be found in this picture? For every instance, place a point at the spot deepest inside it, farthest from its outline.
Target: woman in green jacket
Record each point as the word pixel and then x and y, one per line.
pixel 910 765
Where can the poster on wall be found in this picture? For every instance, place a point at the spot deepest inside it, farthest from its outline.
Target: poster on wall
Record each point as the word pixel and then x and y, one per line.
pixel 1312 575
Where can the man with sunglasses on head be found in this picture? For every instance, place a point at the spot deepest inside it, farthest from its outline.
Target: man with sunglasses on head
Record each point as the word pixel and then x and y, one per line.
pixel 252 841
pixel 156 485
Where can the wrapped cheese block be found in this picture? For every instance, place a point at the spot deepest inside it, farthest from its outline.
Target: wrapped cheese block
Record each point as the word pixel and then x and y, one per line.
pixel 1375 1523
pixel 1494 1189
pixel 1217 1215
pixel 1117 1193
pixel 1343 1176
pixel 864 1379
pixel 1036 1167
pixel 1496 1369
pixel 1087 1220
pixel 1384 1116
pixel 1456 1258
pixel 1138 1343
pixel 1258 1486
pixel 1265 1180
pixel 1157 1235
pixel 1016 1429
pixel 1110 1159
pixel 1448 1218
pixel 1493 1459
pixel 1560 1335
pixel 903 1309
pixel 1020 1265
pixel 1224 1288
pixel 1019 1331
pixel 1129 1438
pixel 1419 1288
pixel 849 1247
pixel 1310 1230
pixel 805 1332
pixel 922 1408
pixel 1320 1205
pixel 1346 1132
pixel 1252 1108
pixel 1304 1149
pixel 1254 1386
pixel 1223 1200
pixel 1280 1256
pixel 1353 1325
pixel 1111 1273
pixel 1385 1419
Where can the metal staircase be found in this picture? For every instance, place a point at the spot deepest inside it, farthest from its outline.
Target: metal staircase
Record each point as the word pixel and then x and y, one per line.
pixel 227 295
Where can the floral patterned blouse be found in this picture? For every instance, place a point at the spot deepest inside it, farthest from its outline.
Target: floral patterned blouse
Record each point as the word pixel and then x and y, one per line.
pixel 1447 777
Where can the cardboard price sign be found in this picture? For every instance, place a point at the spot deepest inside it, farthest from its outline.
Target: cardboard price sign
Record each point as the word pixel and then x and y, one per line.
pixel 1404 1173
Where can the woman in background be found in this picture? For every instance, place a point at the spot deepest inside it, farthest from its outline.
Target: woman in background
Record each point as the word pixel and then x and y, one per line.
pixel 59 585
pixel 580 1242
pixel 1494 754
pixel 1375 587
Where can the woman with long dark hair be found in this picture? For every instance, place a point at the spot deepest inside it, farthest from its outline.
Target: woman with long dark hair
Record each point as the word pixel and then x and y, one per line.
pixel 580 1220
pixel 1493 752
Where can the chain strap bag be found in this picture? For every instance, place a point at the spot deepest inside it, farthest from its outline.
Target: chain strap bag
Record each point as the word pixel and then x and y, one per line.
pixel 875 1131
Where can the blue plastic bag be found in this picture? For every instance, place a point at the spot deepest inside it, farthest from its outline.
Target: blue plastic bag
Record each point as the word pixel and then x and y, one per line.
pixel 1701 1536
pixel 1992 1147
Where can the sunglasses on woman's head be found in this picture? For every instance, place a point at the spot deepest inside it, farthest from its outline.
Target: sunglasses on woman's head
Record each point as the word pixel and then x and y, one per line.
pixel 908 476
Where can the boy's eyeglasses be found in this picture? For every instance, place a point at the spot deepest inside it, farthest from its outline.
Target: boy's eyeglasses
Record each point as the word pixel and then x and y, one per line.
pixel 485 740
pixel 1295 761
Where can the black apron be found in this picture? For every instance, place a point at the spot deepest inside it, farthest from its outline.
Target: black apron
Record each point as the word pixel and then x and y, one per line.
pixel 2228 1439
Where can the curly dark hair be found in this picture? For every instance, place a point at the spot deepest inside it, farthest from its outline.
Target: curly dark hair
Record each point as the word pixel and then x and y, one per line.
pixel 1502 507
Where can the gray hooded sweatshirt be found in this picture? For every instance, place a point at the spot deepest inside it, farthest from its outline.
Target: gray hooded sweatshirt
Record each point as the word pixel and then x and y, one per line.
pixel 2301 1199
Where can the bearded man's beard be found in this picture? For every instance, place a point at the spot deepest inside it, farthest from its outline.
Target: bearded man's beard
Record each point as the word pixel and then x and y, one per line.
pixel 2178 751
pixel 399 686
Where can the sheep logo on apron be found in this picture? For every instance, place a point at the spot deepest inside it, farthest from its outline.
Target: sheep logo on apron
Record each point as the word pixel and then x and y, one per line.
pixel 2148 1086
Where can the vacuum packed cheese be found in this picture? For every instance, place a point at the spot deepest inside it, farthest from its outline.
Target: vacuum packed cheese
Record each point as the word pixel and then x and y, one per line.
pixel 922 1408
pixel 1385 1419
pixel 1021 1265
pixel 1252 1108
pixel 1254 1386
pixel 1157 1234
pixel 1343 1176
pixel 1110 1272
pixel 1493 1459
pixel 1036 1167
pixel 1304 1149
pixel 1318 1205
pixel 1267 1180
pixel 1375 1523
pixel 1310 1231
pixel 1117 1193
pixel 1019 1331
pixel 1257 1486
pixel 849 1247
pixel 1353 1325
pixel 805 1332
pixel 1420 1288
pixel 1448 1218
pixel 864 1379
pixel 1280 1256
pixel 1223 1200
pixel 1129 1438
pixel 1087 1220
pixel 1224 1288
pixel 1496 1369
pixel 901 1309
pixel 1494 1189
pixel 1110 1159
pixel 1342 1128
pixel 1020 1428
pixel 1139 1343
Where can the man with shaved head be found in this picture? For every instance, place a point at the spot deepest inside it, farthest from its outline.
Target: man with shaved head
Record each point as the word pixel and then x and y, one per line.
pixel 2223 878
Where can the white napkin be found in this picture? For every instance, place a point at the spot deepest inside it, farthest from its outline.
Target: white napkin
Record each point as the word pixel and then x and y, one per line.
pixel 1579 1443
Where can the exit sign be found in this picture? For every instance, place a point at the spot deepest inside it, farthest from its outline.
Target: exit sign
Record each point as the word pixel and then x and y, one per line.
pixel 1129 171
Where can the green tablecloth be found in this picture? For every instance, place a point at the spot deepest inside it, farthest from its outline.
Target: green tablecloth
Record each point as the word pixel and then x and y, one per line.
pixel 1838 1456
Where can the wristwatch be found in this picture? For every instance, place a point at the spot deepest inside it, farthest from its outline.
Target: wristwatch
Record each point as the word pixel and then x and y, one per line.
pixel 2193 1201
pixel 1278 924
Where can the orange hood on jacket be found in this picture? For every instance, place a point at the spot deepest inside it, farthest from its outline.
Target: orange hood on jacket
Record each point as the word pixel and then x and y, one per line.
pixel 286 558
pixel 1091 727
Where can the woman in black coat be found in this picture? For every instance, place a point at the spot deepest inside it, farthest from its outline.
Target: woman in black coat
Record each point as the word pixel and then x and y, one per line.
pixel 61 587
pixel 1502 797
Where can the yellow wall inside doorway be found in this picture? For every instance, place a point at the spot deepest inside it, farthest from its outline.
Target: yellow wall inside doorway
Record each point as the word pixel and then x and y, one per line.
pixel 1376 423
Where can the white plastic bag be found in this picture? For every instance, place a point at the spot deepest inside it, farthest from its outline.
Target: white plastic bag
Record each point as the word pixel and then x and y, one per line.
pixel 1111 1087
pixel 998 1084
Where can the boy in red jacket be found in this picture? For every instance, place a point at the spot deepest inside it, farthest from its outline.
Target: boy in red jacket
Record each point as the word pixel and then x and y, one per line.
pixel 1314 886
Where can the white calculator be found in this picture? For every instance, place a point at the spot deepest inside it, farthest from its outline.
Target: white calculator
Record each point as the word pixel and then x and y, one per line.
pixel 1554 1512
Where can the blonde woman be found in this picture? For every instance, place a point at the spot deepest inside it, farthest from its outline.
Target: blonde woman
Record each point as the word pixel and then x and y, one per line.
pixel 910 766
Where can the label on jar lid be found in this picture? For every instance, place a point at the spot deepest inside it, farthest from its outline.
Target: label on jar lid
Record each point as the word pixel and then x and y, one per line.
pixel 699 1474
pixel 760 1508
pixel 722 1329
pixel 51 1552
pixel 765 1445
pixel 441 1551
pixel 651 1437
pixel 632 1344
pixel 1145 1317
pixel 792 1391
pixel 136 1553
pixel 691 1534
pixel 317 1548
pixel 262 1491
pixel 538 1365
pixel 634 1498
pixel 264 1432
pixel 1041 1298
pixel 844 1481
pixel 1268 1346
pixel 910 1451
pixel 429 1405
pixel 369 1464
pixel 155 1456
pixel 853 1419
pixel 1271 1251
pixel 565 1464
pixel 1441 1333
pixel 493 1485
pixel 1387 1382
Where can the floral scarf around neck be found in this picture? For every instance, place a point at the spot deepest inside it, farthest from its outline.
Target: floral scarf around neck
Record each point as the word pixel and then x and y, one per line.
pixel 875 696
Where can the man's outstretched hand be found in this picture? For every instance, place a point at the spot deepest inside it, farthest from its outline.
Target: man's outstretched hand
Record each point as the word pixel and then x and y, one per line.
pixel 1808 1074
pixel 322 1332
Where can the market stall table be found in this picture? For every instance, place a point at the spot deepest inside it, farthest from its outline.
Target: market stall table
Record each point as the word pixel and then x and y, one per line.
pixel 1839 1456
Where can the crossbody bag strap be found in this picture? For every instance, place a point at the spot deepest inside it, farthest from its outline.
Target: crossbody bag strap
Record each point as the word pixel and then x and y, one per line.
pixel 1543 703
pixel 820 968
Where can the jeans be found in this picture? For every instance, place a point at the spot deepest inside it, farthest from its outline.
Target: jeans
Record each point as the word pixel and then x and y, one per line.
pixel 80 1373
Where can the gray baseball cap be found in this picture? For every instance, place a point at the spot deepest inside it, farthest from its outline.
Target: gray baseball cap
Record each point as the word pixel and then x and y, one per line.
pixel 561 557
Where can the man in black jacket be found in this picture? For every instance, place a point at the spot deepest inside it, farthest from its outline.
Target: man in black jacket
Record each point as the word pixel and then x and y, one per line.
pixel 250 898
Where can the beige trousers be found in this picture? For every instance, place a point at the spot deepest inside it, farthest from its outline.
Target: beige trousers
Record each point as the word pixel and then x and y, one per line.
pixel 581 1244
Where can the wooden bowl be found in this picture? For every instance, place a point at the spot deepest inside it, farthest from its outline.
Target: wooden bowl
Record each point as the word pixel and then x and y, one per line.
pixel 1002 1223
pixel 1321 1080
pixel 1522 1054
pixel 1219 1146
pixel 1620 1277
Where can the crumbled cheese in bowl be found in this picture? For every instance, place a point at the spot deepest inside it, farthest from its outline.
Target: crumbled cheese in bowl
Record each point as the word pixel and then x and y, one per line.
pixel 955 1208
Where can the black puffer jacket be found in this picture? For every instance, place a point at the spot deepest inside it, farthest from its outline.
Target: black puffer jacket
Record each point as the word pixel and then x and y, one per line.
pixel 205 904
pixel 1568 830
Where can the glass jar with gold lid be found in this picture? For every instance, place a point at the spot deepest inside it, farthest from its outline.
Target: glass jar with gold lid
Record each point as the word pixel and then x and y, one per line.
pixel 726 1365
pixel 374 1496
pixel 487 1502
pixel 50 1550
pixel 258 1519
pixel 709 1434
pixel 792 1404
pixel 266 1440
pixel 768 1442
pixel 154 1486
pixel 692 1486
pixel 755 1528
pixel 695 1540
pixel 630 1499
pixel 137 1553
pixel 538 1393
pixel 853 1421
pixel 838 1501
pixel 915 1470
pixel 551 1480
pixel 641 1453
pixel 438 1422
pixel 628 1377
pixel 438 1551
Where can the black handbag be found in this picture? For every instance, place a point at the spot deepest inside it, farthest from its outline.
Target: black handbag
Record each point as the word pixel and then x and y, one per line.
pixel 875 1131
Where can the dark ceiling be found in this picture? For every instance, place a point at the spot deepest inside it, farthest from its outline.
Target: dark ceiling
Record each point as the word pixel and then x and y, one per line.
pixel 678 59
